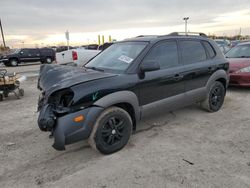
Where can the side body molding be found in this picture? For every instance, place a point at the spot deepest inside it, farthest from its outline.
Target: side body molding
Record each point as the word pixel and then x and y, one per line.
pixel 121 97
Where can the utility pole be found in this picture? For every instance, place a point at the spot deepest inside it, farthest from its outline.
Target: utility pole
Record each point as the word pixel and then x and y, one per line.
pixel 2 34
pixel 67 37
pixel 239 34
pixel 186 19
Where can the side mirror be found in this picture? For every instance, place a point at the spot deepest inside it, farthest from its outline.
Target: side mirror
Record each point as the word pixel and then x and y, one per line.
pixel 148 66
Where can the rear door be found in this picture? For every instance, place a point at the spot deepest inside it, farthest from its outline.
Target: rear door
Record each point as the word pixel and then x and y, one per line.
pixel 197 61
pixel 35 55
pixel 166 82
pixel 29 55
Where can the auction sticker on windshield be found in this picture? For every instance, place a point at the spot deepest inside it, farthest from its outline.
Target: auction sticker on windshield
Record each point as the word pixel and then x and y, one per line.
pixel 125 59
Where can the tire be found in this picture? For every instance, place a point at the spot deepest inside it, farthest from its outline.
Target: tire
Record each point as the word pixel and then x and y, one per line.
pixel 7 64
pixel 215 97
pixel 1 97
pixel 48 60
pixel 21 92
pixel 5 94
pixel 13 62
pixel 111 131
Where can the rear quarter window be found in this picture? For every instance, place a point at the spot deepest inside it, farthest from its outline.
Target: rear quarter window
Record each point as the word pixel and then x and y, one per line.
pixel 210 50
pixel 192 51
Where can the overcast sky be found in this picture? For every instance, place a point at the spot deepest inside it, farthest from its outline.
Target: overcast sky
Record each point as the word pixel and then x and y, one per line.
pixel 45 21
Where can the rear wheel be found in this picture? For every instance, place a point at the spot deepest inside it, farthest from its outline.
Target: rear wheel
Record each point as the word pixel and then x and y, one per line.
pixel 48 60
pixel 215 97
pixel 111 131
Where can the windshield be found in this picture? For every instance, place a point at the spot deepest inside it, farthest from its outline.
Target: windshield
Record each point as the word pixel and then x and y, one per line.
pixel 14 51
pixel 117 57
pixel 241 51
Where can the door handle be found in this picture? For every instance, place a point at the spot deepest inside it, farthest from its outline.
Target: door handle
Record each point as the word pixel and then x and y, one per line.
pixel 178 77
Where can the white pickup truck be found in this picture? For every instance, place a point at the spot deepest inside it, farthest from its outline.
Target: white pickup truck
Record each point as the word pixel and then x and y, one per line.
pixel 75 57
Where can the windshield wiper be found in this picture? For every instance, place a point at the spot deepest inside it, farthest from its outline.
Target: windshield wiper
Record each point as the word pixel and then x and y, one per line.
pixel 95 68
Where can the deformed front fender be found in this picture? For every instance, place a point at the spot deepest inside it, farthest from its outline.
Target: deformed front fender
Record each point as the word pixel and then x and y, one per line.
pixel 121 97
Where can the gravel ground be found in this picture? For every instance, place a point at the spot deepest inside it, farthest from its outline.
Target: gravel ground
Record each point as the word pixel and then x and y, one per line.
pixel 31 67
pixel 185 148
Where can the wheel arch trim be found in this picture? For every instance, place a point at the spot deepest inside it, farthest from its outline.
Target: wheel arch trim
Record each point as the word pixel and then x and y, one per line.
pixel 121 97
pixel 219 74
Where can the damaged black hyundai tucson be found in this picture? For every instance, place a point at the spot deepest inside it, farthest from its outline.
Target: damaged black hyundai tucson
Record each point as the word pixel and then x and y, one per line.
pixel 132 79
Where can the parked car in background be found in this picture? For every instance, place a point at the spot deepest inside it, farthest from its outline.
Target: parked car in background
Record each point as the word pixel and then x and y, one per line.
pixel 75 57
pixel 129 81
pixel 234 43
pixel 239 68
pixel 224 48
pixel 222 42
pixel 90 47
pixel 80 56
pixel 24 55
pixel 63 48
pixel 105 46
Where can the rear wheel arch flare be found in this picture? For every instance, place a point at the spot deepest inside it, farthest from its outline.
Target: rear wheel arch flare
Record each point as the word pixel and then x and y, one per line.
pixel 223 81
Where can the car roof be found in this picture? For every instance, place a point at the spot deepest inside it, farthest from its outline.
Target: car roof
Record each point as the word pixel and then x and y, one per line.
pixel 155 38
pixel 244 43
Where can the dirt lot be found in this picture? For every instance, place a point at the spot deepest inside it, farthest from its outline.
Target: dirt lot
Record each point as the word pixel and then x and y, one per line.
pixel 186 148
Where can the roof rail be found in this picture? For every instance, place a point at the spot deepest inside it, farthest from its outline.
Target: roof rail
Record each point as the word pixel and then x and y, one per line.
pixel 188 34
pixel 145 36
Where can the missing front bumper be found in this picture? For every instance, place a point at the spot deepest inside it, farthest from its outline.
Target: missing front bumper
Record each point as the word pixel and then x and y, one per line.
pixel 66 130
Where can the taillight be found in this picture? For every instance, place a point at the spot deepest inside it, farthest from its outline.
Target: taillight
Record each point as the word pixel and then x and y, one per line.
pixel 74 55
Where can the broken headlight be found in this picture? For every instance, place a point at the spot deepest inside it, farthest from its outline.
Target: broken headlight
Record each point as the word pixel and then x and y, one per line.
pixel 61 101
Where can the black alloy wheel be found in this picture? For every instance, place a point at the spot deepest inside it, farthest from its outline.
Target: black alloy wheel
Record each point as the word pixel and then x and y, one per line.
pixel 111 131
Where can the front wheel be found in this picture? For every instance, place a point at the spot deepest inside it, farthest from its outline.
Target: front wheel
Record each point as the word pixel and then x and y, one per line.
pixel 1 97
pixel 111 131
pixel 215 97
pixel 21 92
pixel 13 62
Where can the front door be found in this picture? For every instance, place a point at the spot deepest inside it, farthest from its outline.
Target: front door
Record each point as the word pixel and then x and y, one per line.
pixel 29 55
pixel 166 82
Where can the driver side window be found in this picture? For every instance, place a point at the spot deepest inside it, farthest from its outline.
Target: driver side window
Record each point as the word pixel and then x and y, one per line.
pixel 165 53
pixel 23 52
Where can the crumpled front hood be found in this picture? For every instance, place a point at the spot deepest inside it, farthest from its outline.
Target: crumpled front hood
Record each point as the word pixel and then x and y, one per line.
pixel 56 77
pixel 238 63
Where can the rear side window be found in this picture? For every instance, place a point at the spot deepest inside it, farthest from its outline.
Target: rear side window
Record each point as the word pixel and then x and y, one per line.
pixel 165 53
pixel 33 52
pixel 209 48
pixel 192 51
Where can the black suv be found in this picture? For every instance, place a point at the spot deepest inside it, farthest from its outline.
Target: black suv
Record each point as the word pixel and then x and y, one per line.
pixel 104 100
pixel 17 56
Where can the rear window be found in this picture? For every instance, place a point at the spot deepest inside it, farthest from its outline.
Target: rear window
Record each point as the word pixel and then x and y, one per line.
pixel 209 48
pixel 192 51
pixel 47 51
